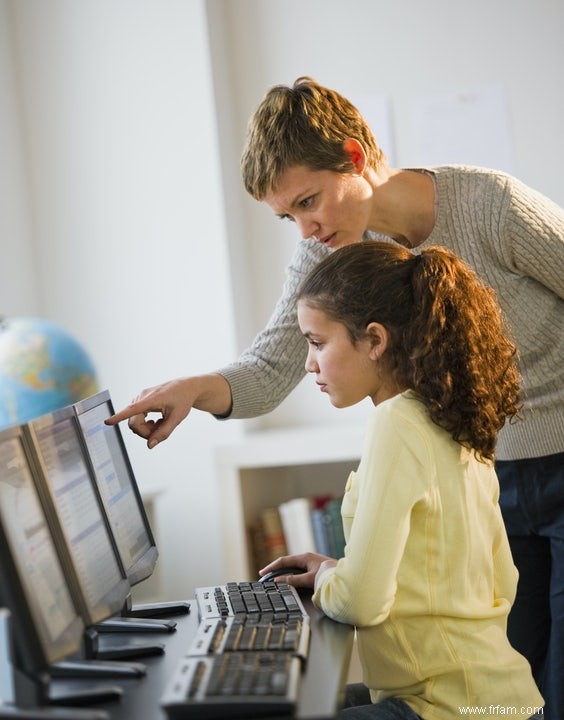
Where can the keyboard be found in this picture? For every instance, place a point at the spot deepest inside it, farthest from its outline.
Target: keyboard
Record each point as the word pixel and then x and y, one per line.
pixel 245 633
pixel 246 658
pixel 234 685
pixel 249 598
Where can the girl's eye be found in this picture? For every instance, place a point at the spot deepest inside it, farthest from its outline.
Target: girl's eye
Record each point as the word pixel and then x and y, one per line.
pixel 289 218
pixel 307 202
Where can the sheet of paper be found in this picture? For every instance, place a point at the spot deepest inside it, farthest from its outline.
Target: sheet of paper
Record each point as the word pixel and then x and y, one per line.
pixel 469 127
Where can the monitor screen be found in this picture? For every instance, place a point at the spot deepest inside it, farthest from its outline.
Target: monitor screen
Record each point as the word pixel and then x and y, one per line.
pixel 7 685
pixel 45 621
pixel 117 486
pixel 76 512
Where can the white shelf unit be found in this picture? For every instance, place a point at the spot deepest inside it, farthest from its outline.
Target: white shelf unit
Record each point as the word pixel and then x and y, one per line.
pixel 266 468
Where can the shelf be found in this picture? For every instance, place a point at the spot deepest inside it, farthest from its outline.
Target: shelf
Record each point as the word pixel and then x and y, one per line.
pixel 266 468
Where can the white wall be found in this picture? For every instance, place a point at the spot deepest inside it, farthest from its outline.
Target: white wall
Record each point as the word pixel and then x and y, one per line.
pixel 17 263
pixel 117 174
pixel 119 137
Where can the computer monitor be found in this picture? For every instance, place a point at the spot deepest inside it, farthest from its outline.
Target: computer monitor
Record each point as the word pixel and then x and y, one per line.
pixel 117 487
pixel 45 620
pixel 75 512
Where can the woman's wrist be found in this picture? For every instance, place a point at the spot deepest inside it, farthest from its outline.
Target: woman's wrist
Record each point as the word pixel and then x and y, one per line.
pixel 213 394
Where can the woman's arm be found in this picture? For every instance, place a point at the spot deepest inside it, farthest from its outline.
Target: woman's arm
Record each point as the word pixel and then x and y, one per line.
pixel 257 383
pixel 535 237
pixel 267 371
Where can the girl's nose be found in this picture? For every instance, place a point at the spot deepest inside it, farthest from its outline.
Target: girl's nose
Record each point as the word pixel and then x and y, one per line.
pixel 310 363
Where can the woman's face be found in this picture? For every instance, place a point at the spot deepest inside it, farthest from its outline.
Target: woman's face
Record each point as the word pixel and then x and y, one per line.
pixel 330 207
pixel 348 372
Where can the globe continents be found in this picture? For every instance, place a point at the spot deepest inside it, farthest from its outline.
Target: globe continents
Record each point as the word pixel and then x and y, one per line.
pixel 42 368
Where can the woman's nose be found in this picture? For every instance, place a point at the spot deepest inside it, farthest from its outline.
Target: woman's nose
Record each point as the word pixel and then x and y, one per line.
pixel 308 227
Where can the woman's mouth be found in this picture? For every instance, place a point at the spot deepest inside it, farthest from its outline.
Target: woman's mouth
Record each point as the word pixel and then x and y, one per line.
pixel 327 240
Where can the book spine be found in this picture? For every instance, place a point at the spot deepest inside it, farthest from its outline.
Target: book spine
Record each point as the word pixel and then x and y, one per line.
pixel 335 528
pixel 319 522
pixel 273 533
pixel 297 525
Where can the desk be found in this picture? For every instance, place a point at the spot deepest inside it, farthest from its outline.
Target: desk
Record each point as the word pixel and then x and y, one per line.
pixel 322 682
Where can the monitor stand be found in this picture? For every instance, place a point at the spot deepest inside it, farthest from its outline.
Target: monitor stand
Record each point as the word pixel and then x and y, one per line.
pixel 8 712
pixel 155 609
pixel 143 617
pixel 34 702
pixel 25 697
pixel 96 663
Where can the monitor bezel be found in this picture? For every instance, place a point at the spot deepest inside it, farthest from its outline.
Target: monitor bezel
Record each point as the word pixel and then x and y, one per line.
pixel 34 651
pixel 145 565
pixel 113 602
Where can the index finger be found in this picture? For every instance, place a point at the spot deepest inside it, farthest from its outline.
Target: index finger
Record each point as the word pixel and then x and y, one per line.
pixel 141 407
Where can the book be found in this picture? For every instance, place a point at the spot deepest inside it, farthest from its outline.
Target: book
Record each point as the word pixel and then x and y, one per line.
pixel 266 537
pixel 321 531
pixel 274 538
pixel 257 544
pixel 297 525
pixel 334 524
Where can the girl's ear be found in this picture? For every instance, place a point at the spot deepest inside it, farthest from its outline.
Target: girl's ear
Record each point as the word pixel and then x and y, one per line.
pixel 356 153
pixel 379 339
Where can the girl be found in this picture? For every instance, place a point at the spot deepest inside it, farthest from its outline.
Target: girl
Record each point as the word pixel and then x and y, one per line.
pixel 427 576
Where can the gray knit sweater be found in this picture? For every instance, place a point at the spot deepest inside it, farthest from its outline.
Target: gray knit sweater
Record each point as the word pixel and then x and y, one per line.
pixel 514 238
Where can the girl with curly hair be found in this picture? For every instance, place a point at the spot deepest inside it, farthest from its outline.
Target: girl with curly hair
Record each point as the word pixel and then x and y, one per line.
pixel 427 575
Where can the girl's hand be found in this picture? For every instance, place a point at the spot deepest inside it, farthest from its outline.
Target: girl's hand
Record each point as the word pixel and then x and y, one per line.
pixel 308 562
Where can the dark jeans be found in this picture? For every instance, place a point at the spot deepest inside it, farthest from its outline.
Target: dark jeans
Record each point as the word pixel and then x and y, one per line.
pixel 358 706
pixel 532 503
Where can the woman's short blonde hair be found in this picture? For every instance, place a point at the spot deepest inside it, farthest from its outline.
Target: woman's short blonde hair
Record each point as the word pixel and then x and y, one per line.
pixel 305 124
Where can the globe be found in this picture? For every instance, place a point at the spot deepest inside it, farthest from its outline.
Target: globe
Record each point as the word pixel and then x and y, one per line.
pixel 42 368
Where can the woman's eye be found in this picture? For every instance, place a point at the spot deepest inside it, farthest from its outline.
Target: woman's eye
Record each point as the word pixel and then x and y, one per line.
pixel 289 218
pixel 307 202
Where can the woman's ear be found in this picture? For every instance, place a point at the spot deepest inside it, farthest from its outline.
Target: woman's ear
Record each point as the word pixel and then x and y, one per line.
pixel 379 339
pixel 356 153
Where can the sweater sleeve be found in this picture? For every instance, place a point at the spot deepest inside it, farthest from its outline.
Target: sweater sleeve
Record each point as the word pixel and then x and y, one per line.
pixel 535 231
pixel 273 365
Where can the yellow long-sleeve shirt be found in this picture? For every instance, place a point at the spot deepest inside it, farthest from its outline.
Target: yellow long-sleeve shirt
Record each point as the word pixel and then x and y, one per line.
pixel 427 576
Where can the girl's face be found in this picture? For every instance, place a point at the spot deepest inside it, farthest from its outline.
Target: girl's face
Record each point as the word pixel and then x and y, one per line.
pixel 330 207
pixel 348 372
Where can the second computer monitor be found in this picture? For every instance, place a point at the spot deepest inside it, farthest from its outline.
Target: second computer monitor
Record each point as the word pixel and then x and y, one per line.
pixel 74 508
pixel 117 486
